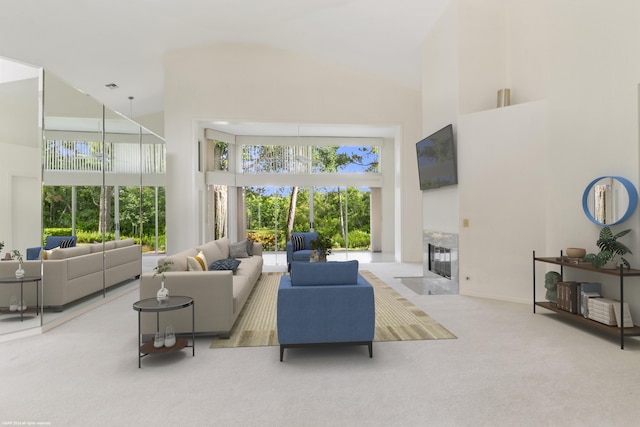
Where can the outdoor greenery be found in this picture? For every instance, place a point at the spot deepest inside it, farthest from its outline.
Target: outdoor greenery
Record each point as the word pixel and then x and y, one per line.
pixel 57 212
pixel 267 214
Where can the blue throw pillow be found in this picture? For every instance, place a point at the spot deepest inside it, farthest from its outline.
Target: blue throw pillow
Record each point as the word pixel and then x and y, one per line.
pixel 225 264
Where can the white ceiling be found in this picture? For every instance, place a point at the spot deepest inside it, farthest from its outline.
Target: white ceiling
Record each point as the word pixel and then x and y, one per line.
pixel 90 43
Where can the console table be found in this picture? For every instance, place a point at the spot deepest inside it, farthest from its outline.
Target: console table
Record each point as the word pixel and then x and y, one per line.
pixel 154 306
pixel 13 280
pixel 621 273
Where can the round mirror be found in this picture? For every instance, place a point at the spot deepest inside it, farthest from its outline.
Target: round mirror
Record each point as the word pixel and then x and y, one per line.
pixel 609 200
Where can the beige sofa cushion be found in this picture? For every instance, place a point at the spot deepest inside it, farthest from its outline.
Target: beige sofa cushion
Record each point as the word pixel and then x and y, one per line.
pixel 223 245
pixel 180 259
pixel 211 252
pixel 124 242
pixel 64 253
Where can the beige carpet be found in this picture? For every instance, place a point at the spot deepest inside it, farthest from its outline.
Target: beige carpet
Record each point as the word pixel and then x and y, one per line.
pixel 397 319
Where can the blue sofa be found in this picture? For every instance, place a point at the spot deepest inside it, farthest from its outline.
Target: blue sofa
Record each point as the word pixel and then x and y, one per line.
pixel 300 254
pixel 325 303
pixel 50 243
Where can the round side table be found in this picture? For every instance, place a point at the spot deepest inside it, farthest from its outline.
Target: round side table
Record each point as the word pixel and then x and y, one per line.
pixel 152 305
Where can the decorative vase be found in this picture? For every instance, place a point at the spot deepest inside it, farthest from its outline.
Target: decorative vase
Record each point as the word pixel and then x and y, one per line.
pixel 163 293
pixel 19 272
pixel 611 265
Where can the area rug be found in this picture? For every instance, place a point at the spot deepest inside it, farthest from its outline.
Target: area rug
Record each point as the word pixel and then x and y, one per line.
pixel 397 319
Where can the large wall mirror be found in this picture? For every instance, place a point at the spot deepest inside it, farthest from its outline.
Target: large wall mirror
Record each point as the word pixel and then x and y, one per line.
pixel 609 200
pixel 73 168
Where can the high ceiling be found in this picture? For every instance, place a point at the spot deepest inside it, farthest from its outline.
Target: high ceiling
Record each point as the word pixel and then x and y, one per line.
pixel 91 43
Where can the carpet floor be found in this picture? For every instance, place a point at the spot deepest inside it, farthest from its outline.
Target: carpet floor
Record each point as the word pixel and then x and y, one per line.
pixel 397 319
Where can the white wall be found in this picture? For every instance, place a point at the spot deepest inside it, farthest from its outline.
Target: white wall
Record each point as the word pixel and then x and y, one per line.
pixel 580 57
pixel 253 83
pixel 19 165
pixel 440 107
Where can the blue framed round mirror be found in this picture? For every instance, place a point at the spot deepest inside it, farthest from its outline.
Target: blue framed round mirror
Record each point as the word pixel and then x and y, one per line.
pixel 609 200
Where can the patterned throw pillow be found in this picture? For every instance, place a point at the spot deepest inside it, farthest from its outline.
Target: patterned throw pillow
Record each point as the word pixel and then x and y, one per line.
pixel 66 243
pixel 197 263
pixel 298 242
pixel 225 264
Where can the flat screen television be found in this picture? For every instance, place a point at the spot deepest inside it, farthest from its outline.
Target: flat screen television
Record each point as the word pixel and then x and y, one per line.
pixel 437 160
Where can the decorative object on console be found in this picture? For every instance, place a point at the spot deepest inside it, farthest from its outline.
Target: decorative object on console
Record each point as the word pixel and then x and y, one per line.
pixel 609 249
pixel 2 246
pixel 17 255
pixel 163 293
pixel 551 280
pixel 504 97
pixel 576 252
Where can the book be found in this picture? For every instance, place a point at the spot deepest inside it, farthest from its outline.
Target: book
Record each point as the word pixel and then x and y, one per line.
pixel 628 322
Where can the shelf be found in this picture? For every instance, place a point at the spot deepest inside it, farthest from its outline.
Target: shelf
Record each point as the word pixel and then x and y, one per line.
pixel 578 318
pixel 565 262
pixel 148 348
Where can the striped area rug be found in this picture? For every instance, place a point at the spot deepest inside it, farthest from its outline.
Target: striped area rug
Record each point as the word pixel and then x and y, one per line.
pixel 397 319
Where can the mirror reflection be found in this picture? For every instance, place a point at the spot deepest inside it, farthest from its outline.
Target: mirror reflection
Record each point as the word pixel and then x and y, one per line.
pixel 80 214
pixel 609 200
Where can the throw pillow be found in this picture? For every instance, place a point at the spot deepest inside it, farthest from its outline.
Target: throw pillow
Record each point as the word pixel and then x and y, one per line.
pixel 197 263
pixel 298 242
pixel 66 243
pixel 225 264
pixel 238 250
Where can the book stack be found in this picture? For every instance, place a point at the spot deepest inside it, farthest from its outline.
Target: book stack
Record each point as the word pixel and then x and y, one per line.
pixel 601 310
pixel 568 296
pixel 588 290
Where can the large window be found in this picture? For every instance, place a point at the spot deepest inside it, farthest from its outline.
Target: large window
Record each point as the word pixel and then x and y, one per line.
pixel 309 159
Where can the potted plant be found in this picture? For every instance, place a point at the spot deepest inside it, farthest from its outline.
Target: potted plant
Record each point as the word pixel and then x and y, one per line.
pixel 163 293
pixel 17 255
pixel 610 248
pixel 323 246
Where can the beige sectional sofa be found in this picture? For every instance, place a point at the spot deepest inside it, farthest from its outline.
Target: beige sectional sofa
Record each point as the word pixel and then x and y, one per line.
pixel 218 295
pixel 73 273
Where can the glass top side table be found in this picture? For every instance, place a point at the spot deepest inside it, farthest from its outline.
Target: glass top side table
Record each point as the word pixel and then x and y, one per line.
pixel 152 305
pixel 22 280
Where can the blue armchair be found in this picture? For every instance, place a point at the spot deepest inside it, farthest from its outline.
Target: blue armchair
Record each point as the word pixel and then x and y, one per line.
pixel 325 303
pixel 50 243
pixel 300 252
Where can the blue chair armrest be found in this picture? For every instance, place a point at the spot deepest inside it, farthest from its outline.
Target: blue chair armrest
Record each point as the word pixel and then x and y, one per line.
pixel 289 252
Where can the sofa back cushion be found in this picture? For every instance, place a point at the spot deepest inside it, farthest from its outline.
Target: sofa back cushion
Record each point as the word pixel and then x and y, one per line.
pixel 223 244
pixel 324 273
pixel 211 251
pixel 123 243
pixel 65 253
pixel 179 260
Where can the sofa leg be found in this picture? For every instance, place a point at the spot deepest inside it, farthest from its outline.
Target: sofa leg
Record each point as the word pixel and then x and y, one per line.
pixel 370 349
pixel 281 352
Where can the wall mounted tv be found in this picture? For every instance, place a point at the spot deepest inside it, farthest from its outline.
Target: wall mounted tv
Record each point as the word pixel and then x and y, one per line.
pixel 437 160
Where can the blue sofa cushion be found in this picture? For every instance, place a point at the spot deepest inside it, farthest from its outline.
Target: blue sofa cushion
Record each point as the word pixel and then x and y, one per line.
pixel 324 273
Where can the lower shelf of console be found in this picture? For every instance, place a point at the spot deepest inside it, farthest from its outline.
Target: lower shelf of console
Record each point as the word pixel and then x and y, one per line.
pixel 579 318
pixel 148 348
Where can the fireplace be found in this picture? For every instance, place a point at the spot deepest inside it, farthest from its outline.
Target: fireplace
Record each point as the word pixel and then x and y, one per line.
pixel 440 262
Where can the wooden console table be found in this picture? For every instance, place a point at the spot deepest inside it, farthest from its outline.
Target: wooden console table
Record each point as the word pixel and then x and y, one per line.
pixel 622 273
